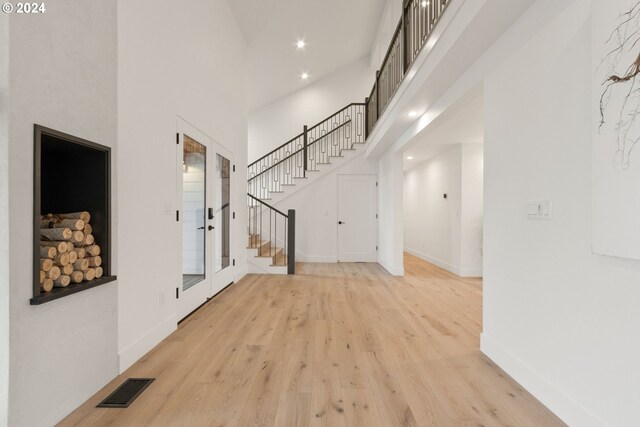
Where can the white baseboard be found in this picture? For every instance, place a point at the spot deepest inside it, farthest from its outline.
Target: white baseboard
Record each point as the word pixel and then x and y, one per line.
pixel 133 352
pixel 457 270
pixel 240 273
pixel 560 403
pixel 302 257
pixel 470 272
pixel 393 270
pixel 435 261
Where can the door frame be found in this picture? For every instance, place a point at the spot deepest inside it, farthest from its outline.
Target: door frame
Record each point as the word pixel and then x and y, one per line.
pixel 374 177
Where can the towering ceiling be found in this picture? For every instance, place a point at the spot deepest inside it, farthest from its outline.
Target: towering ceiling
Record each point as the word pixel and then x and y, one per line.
pixel 336 33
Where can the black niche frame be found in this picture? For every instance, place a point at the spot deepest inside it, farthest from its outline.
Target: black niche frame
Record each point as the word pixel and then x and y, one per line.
pixel 101 154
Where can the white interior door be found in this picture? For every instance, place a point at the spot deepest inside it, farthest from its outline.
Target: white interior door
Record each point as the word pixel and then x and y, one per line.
pixel 195 198
pixel 357 218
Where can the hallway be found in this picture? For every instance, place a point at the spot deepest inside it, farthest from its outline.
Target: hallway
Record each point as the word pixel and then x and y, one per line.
pixel 335 345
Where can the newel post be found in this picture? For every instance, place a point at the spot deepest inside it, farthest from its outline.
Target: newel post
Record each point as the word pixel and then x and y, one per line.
pixel 305 151
pixel 291 244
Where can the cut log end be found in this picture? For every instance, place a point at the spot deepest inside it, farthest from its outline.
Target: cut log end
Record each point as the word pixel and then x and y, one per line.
pixel 56 233
pixel 89 274
pixel 61 247
pixel 62 282
pixel 62 259
pixel 77 276
pixel 46 264
pixel 77 237
pixel 93 250
pixel 95 261
pixel 81 264
pixel 48 252
pixel 54 273
pixel 88 240
pixel 47 285
pixel 73 224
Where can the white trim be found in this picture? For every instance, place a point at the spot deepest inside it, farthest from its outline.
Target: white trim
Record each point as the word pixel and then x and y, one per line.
pixel 457 270
pixel 560 403
pixel 471 272
pixel 133 352
pixel 240 273
pixel 302 257
pixel 435 261
pixel 393 270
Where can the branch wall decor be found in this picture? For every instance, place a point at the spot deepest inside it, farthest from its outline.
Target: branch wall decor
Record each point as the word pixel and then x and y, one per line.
pixel 616 132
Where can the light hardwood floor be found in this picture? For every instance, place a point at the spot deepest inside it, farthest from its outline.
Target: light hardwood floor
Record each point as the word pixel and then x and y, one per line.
pixel 335 345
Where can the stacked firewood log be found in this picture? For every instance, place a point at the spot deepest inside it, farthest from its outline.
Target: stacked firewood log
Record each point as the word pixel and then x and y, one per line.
pixel 68 251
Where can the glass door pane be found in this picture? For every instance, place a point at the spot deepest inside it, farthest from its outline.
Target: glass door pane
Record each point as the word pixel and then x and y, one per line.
pixel 194 166
pixel 222 195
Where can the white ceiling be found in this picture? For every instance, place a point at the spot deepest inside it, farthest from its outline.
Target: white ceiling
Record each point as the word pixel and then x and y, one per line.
pixel 465 125
pixel 337 33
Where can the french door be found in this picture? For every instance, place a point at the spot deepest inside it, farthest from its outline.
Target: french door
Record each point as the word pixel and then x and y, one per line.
pixel 223 216
pixel 204 196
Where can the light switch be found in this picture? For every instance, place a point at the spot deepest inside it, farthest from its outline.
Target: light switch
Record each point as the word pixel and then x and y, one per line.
pixel 545 209
pixel 532 209
pixel 539 209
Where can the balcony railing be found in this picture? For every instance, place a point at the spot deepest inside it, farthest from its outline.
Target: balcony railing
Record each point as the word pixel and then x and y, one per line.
pixel 419 18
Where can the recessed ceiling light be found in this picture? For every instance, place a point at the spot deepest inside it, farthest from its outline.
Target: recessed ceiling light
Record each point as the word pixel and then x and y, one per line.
pixel 304 76
pixel 301 44
pixel 409 157
pixel 413 114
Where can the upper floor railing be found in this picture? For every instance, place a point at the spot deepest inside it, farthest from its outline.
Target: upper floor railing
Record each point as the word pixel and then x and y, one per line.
pixel 419 18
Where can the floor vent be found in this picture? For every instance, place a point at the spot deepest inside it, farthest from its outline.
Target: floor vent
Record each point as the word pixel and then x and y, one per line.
pixel 124 395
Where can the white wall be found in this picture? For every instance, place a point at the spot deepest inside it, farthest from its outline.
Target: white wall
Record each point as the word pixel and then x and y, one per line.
pixel 559 319
pixel 471 233
pixel 176 61
pixel 316 208
pixel 390 207
pixel 388 23
pixel 62 67
pixel 446 232
pixel 431 222
pixel 4 219
pixel 275 124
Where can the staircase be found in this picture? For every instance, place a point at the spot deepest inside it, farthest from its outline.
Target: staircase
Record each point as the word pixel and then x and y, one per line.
pixel 271 232
pixel 296 163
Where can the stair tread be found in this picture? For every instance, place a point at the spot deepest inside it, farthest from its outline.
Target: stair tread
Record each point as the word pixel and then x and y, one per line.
pixel 274 252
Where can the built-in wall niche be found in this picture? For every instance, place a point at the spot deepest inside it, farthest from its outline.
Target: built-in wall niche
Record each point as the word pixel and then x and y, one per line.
pixel 72 215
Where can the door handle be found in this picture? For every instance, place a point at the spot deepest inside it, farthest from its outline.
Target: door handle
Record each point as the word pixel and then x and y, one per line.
pixel 341 222
pixel 201 228
pixel 211 227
